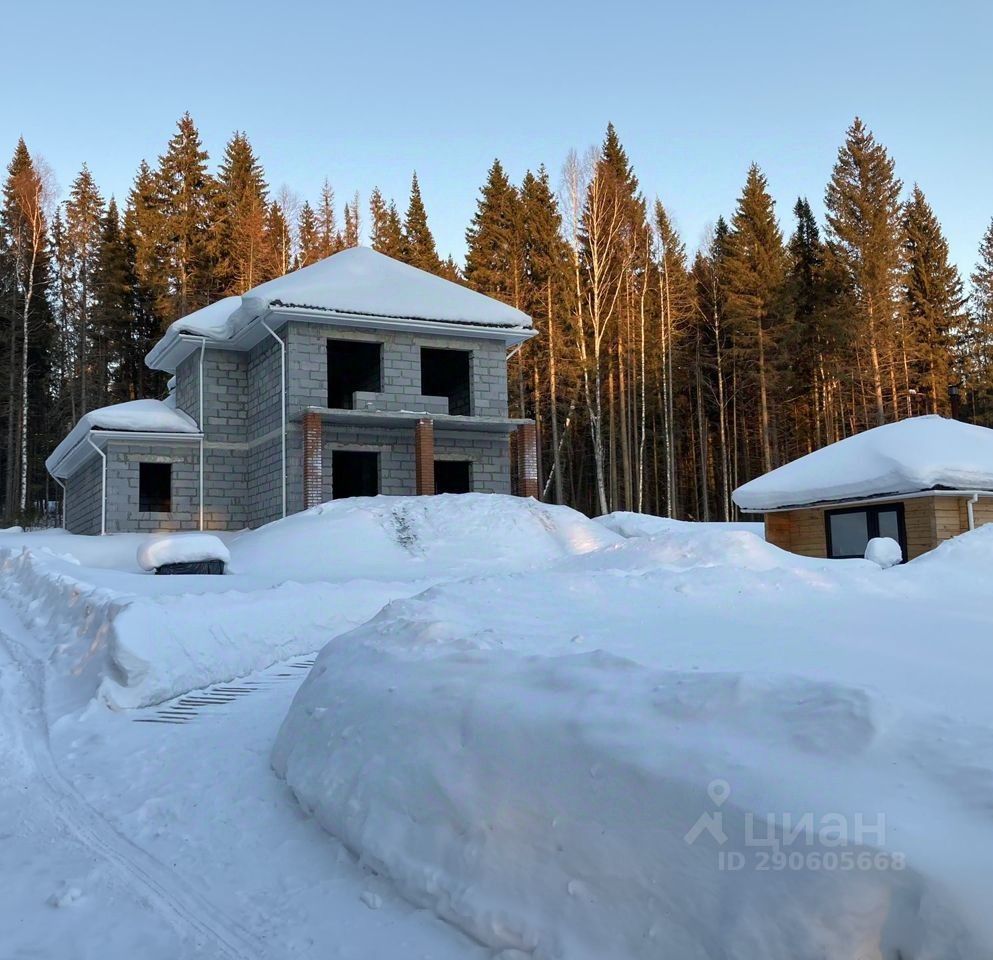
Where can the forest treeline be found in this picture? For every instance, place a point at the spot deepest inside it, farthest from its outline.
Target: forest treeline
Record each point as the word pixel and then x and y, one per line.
pixel 661 378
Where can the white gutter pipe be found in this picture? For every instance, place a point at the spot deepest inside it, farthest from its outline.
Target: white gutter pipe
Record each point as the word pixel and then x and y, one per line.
pixel 65 493
pixel 203 347
pixel 974 499
pixel 282 393
pixel 836 504
pixel 103 485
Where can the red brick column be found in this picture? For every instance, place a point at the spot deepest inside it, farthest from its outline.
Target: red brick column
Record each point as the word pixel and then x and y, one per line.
pixel 313 460
pixel 424 457
pixel 527 460
pixel 515 480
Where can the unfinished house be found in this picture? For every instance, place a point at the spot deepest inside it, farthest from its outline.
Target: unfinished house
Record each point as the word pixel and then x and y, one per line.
pixel 355 376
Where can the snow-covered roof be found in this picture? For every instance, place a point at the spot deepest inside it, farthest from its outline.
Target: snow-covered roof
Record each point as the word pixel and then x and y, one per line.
pixel 910 456
pixel 358 282
pixel 138 416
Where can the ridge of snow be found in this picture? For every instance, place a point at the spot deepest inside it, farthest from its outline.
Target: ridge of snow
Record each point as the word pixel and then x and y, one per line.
pixel 908 456
pixel 142 416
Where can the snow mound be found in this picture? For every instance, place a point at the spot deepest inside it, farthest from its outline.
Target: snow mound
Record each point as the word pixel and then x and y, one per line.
pixel 884 551
pixel 539 757
pixel 920 453
pixel 146 416
pixel 181 548
pixel 411 537
pixel 629 524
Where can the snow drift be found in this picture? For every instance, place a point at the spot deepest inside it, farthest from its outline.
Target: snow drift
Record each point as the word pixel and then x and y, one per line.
pixel 134 639
pixel 537 757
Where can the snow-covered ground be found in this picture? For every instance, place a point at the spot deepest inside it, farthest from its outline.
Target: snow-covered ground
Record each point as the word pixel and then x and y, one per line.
pixel 525 731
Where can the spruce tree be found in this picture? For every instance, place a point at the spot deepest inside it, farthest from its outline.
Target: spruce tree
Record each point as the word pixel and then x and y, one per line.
pixel 83 225
pixel 113 316
pixel 978 346
pixel 329 240
pixel 350 236
pixel 308 238
pixel 278 255
pixel 185 205
pixel 240 220
pixel 493 263
pixel 386 229
pixel 755 272
pixel 864 222
pixel 933 300
pixel 418 247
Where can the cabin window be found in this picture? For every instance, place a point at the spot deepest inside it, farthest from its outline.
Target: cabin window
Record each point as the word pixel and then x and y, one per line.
pixel 849 531
pixel 353 365
pixel 154 487
pixel 445 373
pixel 452 476
pixel 354 473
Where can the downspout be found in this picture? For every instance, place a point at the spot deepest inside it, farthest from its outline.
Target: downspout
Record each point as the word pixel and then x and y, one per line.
pixel 103 486
pixel 968 505
pixel 203 347
pixel 65 493
pixel 282 393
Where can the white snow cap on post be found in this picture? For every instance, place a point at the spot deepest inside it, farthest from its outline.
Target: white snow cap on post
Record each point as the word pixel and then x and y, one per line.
pixel 885 551
pixel 181 548
pixel 910 456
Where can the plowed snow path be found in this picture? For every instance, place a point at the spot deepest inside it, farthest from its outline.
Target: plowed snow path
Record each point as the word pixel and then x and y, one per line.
pixel 175 840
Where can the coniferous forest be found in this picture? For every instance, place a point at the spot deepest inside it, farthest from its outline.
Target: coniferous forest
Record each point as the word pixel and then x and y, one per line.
pixel 661 379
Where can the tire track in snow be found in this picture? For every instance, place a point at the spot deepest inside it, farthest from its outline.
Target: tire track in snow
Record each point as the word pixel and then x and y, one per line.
pixel 195 919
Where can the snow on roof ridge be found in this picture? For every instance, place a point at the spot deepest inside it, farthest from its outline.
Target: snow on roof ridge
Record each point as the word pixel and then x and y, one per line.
pixel 359 281
pixel 138 416
pixel 913 455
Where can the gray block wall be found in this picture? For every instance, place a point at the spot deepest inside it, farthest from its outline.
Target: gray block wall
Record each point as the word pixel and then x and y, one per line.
pixel 82 498
pixel 308 367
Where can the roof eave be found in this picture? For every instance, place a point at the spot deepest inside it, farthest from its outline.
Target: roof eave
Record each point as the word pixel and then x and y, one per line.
pixel 871 498
pixel 82 450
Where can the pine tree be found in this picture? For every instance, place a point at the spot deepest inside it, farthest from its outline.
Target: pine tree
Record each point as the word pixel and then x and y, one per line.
pixel 864 221
pixel 755 271
pixel 186 203
pixel 240 220
pixel 419 248
pixel 493 263
pixel 386 234
pixel 934 300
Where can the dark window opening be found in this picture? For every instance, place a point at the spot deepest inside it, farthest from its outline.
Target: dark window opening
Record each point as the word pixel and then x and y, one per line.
pixel 353 365
pixel 354 473
pixel 155 487
pixel 849 531
pixel 445 373
pixel 452 476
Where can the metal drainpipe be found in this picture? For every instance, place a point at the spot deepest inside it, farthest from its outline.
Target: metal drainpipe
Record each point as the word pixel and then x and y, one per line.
pixel 103 486
pixel 203 347
pixel 65 493
pixel 282 393
pixel 969 504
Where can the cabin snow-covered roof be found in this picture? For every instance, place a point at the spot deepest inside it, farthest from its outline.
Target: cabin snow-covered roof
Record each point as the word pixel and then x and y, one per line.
pixel 355 283
pixel 133 416
pixel 909 456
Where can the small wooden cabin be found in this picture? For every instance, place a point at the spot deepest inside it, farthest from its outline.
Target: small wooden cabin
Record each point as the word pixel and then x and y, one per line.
pixel 920 481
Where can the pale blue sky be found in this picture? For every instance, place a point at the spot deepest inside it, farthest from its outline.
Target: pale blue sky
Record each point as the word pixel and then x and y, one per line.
pixel 364 93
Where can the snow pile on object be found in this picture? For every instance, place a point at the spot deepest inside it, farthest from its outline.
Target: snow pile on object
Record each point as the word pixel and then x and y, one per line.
pixel 884 551
pixel 404 538
pixel 920 453
pixel 147 416
pixel 181 548
pixel 629 524
pixel 539 758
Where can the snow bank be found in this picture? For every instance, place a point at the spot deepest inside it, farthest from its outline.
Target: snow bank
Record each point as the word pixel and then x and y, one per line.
pixel 537 757
pixel 629 524
pixel 147 416
pixel 135 640
pixel 181 548
pixel 920 453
